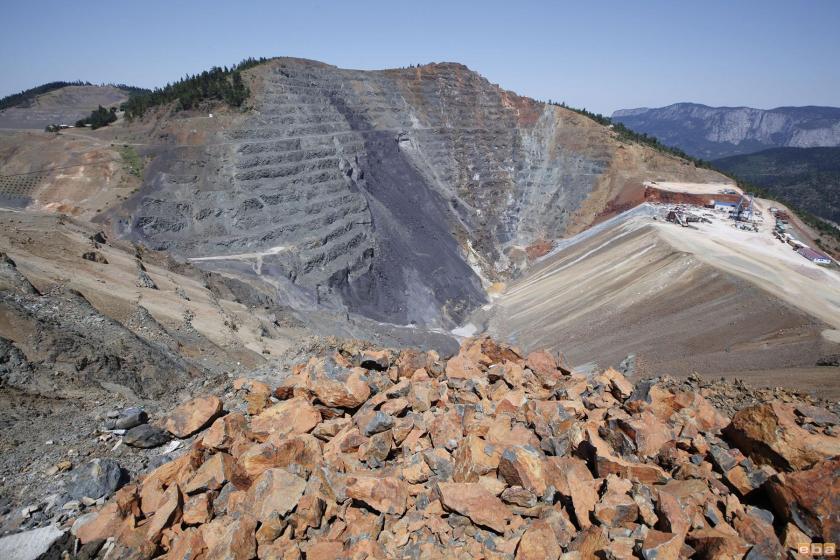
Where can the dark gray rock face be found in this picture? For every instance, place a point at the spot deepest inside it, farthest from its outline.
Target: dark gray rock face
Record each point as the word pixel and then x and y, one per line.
pixel 716 132
pixel 382 193
pixel 100 477
pixel 145 436
pixel 129 418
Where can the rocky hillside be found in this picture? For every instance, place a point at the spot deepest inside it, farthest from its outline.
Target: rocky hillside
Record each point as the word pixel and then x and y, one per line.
pixel 808 178
pixel 490 454
pixel 715 132
pixel 64 105
pixel 393 194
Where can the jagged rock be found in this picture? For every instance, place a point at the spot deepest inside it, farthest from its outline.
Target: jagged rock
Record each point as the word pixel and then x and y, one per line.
pixel 523 466
pixel 98 478
pixel 544 365
pixel 714 543
pixel 440 462
pixel 301 452
pixel 474 501
pixel 759 532
pixel 145 281
pixel 198 509
pixel 538 543
pixel 334 384
pixel 258 394
pixel 793 538
pixel 384 494
pixel 445 430
pixel 276 490
pixel 522 497
pixel 378 422
pixel 192 416
pixel 724 459
pixel 485 470
pixel 212 474
pixel 309 512
pixel 188 544
pixel 325 550
pixel 590 543
pixel 661 546
pixel 373 359
pixel 647 432
pixel 810 499
pixel 294 416
pixel 167 513
pixel 224 432
pixel 416 470
pixel 768 434
pixel 230 538
pixel 616 509
pixel 817 415
pixel 145 436
pixel 473 458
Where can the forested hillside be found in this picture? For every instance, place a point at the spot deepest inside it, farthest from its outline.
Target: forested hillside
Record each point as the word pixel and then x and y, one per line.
pixel 808 178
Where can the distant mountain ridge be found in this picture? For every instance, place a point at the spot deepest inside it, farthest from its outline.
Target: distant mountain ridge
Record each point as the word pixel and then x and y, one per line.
pixel 716 132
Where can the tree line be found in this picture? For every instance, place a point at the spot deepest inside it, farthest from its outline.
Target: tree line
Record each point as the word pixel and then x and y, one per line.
pixel 217 84
pixel 18 99
pixel 627 134
pixel 98 118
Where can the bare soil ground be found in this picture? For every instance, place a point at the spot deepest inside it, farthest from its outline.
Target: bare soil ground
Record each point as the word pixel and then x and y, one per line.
pixel 708 299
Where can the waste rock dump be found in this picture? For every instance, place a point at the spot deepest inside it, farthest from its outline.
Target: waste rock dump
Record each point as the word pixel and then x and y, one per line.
pixel 490 454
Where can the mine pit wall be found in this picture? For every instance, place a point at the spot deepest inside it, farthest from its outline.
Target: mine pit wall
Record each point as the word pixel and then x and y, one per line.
pixel 377 185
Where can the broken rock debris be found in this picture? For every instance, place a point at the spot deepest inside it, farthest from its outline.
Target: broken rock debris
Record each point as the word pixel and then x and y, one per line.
pixel 491 454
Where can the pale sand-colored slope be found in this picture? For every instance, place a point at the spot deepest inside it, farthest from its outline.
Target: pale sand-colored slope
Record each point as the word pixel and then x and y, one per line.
pixel 48 249
pixel 682 300
pixel 693 188
pixel 764 261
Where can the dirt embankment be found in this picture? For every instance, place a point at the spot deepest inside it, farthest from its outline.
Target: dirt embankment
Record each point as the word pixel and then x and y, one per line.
pixel 653 194
pixel 680 300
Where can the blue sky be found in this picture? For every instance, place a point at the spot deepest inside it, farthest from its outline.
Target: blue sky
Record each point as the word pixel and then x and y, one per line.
pixel 602 55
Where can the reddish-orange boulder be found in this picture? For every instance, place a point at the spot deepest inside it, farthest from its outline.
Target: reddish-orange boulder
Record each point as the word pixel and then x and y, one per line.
pixel 810 499
pixel 384 494
pixel 275 491
pixel 538 543
pixel 768 434
pixel 661 546
pixel 476 502
pixel 212 474
pixel 192 416
pixel 293 416
pixel 523 466
pixel 225 431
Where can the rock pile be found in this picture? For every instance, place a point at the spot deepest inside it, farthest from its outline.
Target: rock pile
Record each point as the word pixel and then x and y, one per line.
pixel 490 454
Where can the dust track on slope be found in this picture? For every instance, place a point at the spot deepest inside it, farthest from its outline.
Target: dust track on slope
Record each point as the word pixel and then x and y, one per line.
pixel 681 299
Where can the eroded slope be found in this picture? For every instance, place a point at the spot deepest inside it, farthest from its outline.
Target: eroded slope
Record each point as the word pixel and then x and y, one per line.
pixel 682 300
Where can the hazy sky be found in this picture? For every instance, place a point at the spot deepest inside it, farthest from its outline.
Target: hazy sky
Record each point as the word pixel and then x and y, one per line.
pixel 602 55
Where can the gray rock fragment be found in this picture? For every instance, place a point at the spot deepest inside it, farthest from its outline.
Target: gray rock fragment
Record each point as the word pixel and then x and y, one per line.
pixel 97 479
